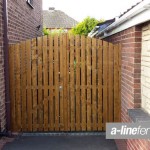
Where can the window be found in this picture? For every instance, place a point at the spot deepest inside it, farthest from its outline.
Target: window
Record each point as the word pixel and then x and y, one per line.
pixel 30 3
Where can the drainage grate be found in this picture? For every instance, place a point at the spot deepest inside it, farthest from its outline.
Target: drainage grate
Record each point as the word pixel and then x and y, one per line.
pixel 63 134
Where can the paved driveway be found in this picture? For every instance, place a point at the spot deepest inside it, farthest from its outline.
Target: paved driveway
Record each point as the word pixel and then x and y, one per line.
pixel 61 143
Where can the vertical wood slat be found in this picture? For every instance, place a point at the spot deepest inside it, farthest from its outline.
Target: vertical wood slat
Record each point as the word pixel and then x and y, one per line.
pixel 110 85
pixel 51 83
pixel 83 98
pixel 12 86
pixel 77 48
pixel 88 84
pixel 29 97
pixel 23 85
pixel 94 107
pixel 34 83
pixel 65 85
pixel 105 83
pixel 61 84
pixel 18 86
pixel 45 76
pixel 100 78
pixel 119 93
pixel 40 77
pixel 72 84
pixel 56 82
pixel 116 82
pixel 68 78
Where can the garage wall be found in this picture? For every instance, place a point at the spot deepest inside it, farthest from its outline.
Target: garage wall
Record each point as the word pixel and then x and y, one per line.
pixel 145 67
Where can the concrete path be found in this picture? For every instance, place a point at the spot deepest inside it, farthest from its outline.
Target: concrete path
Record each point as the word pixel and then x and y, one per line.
pixel 61 143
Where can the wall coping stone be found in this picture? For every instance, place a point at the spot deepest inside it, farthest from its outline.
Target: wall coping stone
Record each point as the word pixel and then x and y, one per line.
pixel 138 115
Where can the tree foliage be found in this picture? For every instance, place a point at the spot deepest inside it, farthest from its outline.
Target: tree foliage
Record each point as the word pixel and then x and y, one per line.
pixel 85 27
pixel 53 32
pixel 46 31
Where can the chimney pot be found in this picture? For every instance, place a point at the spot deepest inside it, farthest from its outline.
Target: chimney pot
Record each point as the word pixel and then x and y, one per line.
pixel 51 8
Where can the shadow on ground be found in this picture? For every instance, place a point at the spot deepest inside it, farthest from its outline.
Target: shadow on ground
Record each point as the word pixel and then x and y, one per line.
pixel 61 143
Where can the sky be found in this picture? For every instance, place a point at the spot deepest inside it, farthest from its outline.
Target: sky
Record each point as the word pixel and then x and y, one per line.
pixel 99 9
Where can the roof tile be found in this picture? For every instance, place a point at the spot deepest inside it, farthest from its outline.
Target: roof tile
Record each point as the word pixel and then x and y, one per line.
pixel 57 19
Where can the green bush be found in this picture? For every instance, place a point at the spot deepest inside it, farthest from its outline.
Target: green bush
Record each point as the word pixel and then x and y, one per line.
pixel 85 27
pixel 53 32
pixel 46 31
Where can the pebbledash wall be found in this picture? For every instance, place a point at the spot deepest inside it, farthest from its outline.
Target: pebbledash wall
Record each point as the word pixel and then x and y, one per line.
pixel 134 43
pixel 23 21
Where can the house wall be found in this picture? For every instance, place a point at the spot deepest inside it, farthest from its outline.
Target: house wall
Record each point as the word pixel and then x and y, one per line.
pixel 130 79
pixel 145 65
pixel 22 23
pixel 23 20
pixel 2 83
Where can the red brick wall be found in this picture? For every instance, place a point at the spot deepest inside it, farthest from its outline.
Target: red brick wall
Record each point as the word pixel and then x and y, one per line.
pixel 130 80
pixel 2 83
pixel 23 20
pixel 22 23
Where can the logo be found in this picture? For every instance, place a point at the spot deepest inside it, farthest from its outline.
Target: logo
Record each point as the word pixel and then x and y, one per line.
pixel 128 130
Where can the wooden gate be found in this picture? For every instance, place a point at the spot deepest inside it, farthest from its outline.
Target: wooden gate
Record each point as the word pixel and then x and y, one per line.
pixel 64 83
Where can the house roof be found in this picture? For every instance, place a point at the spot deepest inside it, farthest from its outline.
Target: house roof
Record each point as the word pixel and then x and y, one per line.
pixel 135 15
pixel 130 8
pixel 100 27
pixel 57 19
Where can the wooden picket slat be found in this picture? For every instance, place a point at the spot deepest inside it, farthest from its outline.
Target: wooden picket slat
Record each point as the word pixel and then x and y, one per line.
pixel 105 83
pixel 61 85
pixel 51 83
pixel 23 85
pixel 68 88
pixel 12 85
pixel 72 82
pixel 29 97
pixel 34 83
pixel 83 98
pixel 18 86
pixel 40 83
pixel 110 85
pixel 56 72
pixel 94 107
pixel 45 76
pixel 89 46
pixel 77 52
pixel 64 83
pixel 100 86
pixel 116 83
pixel 119 83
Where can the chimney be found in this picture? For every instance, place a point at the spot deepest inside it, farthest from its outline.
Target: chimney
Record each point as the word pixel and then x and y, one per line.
pixel 51 8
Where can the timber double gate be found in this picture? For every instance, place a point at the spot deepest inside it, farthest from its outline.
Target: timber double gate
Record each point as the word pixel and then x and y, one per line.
pixel 64 83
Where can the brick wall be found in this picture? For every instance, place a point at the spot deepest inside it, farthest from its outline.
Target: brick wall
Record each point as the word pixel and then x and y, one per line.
pixel 2 83
pixel 145 65
pixel 130 80
pixel 22 23
pixel 23 20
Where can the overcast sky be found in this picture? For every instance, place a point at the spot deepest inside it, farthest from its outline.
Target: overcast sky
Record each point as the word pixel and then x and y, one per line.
pixel 79 9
